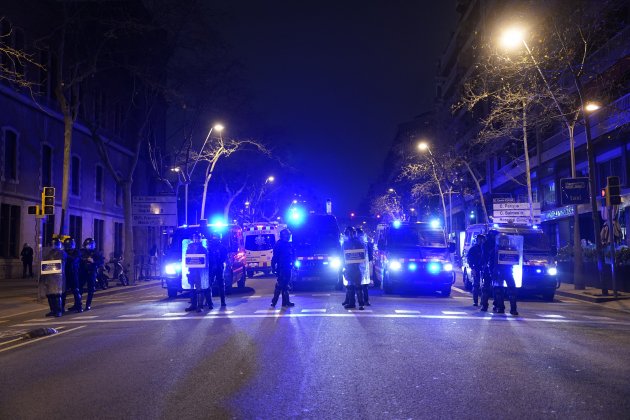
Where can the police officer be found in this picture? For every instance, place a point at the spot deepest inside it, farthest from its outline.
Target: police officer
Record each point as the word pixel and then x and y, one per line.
pixel 504 273
pixel 475 262
pixel 72 274
pixel 197 276
pixel 282 265
pixel 91 261
pixel 488 259
pixel 354 254
pixel 54 284
pixel 217 256
pixel 365 267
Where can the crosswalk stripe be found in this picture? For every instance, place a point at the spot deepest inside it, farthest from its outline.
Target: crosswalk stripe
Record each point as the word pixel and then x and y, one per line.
pixel 85 317
pixel 309 311
pixel 453 313
pixel 130 316
pixel 405 311
pixel 174 314
pixel 114 301
pixel 550 316
pixel 598 317
pixel 255 296
pixel 320 294
pixel 220 313
pixel 267 311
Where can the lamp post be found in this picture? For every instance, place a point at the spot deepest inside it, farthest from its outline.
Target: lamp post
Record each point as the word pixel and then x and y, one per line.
pixel 269 179
pixel 511 38
pixel 424 146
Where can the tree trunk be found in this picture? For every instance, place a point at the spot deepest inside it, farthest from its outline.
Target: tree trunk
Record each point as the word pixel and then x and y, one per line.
pixel 209 171
pixel 68 123
pixel 128 245
pixel 483 202
pixel 527 167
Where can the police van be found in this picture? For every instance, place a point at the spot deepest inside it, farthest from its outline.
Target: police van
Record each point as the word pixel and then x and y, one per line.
pixel 538 274
pixel 175 274
pixel 413 255
pixel 317 244
pixel 260 239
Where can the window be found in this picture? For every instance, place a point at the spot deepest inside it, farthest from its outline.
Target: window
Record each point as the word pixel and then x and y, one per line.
pixel 98 188
pixel 75 176
pixel 549 193
pixel 99 230
pixel 10 156
pixel 46 167
pixel 9 231
pixel 48 230
pixel 76 227
pixel 118 238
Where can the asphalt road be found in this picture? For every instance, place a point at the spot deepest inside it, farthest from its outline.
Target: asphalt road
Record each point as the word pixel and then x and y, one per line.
pixel 139 355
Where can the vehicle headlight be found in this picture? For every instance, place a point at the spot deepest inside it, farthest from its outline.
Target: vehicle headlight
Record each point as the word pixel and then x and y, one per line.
pixel 434 267
pixel 412 266
pixel 335 263
pixel 552 271
pixel 297 264
pixel 395 265
pixel 448 267
pixel 173 268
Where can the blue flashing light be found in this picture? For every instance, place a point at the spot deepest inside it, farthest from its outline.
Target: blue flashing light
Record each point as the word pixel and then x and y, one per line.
pixel 535 227
pixel 396 224
pixel 412 266
pixel 434 267
pixel 335 262
pixel 218 222
pixel 395 265
pixel 435 223
pixel 552 271
pixel 538 270
pixel 297 263
pixel 172 268
pixel 295 216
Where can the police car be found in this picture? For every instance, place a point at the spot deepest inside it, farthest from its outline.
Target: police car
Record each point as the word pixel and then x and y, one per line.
pixel 413 255
pixel 260 239
pixel 175 274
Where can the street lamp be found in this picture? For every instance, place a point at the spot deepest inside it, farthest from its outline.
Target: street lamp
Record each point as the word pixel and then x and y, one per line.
pixel 268 180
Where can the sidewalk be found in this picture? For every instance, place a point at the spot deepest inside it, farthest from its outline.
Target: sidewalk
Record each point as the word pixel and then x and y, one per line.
pixel 20 295
pixel 593 295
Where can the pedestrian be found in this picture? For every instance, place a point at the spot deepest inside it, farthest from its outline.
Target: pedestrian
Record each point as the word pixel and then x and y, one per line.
pixel 53 279
pixel 354 253
pixel 217 256
pixel 73 260
pixel 196 261
pixel 365 267
pixel 475 262
pixel 488 260
pixel 282 266
pixel 90 261
pixel 27 260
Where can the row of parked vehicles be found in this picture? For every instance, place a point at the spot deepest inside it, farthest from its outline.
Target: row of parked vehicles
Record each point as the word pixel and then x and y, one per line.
pixel 406 255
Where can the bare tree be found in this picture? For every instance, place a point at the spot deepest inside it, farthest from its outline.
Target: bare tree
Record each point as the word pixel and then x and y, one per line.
pixel 13 62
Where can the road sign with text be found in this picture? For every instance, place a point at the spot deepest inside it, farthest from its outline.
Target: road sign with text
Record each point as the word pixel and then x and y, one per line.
pixel 574 191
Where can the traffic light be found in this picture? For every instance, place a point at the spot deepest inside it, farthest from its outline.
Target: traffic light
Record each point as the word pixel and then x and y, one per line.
pixel 613 191
pixel 48 200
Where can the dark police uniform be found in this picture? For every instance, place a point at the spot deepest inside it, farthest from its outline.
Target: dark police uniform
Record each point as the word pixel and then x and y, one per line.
pixel 197 277
pixel 282 265
pixel 217 256
pixel 90 262
pixel 475 261
pixel 73 260
pixel 352 247
pixel 488 260
pixel 54 284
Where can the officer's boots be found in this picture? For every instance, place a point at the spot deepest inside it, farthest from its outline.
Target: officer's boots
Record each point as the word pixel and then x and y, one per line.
pixel 63 302
pixel 208 293
pixel 512 297
pixel 57 303
pixel 285 299
pixel 88 302
pixel 347 299
pixel 360 298
pixel 200 300
pixel 351 302
pixel 51 305
pixel 78 306
pixel 366 294
pixel 276 295
pixel 193 301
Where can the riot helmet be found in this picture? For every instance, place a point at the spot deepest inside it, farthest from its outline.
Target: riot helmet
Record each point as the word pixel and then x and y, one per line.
pixel 69 243
pixel 89 243
pixel 350 232
pixel 285 234
pixel 56 243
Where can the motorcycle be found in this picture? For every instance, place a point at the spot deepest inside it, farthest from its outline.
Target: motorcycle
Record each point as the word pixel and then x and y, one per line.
pixel 120 272
pixel 102 280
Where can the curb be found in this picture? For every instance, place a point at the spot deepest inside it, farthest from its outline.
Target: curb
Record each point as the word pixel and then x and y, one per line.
pixel 591 298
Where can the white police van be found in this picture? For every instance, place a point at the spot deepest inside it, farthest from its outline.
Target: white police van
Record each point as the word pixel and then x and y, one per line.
pixel 260 239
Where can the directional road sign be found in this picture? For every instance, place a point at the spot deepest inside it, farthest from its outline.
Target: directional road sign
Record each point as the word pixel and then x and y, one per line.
pixel 574 191
pixel 516 220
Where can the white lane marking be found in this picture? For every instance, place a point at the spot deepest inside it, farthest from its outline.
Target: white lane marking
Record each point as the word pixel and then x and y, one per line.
pixel 349 314
pixel 459 290
pixel 42 338
pixel 114 301
pixel 21 313
pixel 86 317
pixel 320 294
pixel 454 313
pixel 357 310
pixel 130 316
pixel 598 317
pixel 147 300
pixel 405 311
pixel 550 316
pixel 175 314
pixel 220 313
pixel 267 311
pixel 312 311
pixel 254 296
pixel 33 320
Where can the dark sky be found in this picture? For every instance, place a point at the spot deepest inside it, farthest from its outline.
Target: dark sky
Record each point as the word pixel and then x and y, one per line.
pixel 334 78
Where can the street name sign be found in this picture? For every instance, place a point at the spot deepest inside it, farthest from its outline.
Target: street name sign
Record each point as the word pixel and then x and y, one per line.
pixel 516 213
pixel 574 191
pixel 154 210
pixel 517 220
pixel 515 206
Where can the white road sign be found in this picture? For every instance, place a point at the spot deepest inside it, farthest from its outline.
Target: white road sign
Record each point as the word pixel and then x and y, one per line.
pixel 516 220
pixel 514 213
pixel 154 210
pixel 515 206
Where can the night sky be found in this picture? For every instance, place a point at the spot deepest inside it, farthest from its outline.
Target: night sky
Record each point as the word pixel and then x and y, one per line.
pixel 334 78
